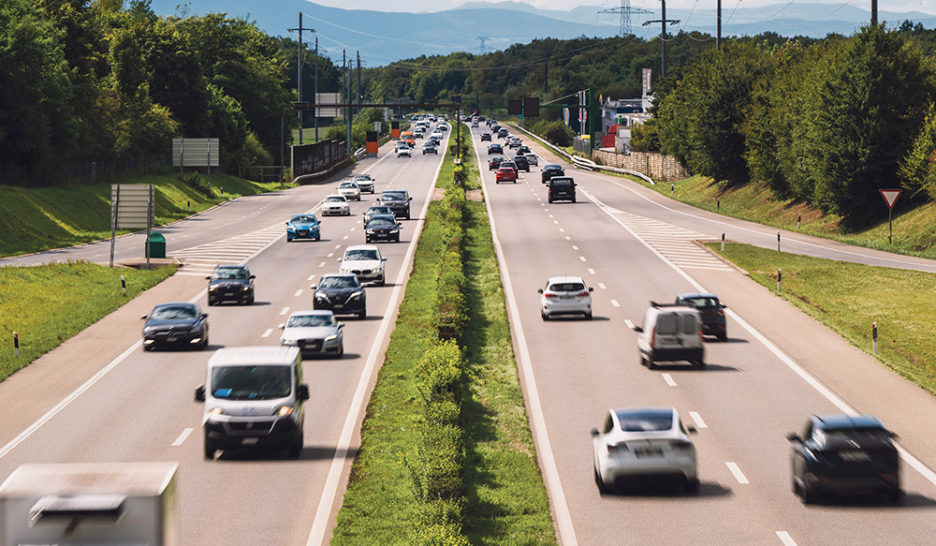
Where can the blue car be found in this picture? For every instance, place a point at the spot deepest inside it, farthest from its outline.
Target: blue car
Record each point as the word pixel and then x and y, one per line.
pixel 303 226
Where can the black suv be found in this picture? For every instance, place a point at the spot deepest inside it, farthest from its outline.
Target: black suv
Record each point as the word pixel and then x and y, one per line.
pixel 523 164
pixel 494 163
pixel 340 293
pixel 398 201
pixel 382 227
pixel 561 188
pixel 231 282
pixel 552 170
pixel 845 454
pixel 712 311
pixel 485 136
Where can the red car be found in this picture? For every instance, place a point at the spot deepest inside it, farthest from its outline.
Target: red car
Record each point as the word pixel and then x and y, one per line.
pixel 506 174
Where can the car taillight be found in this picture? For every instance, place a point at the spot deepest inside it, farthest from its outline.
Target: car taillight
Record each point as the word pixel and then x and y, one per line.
pixel 548 295
pixel 582 294
pixel 616 448
pixel 653 337
pixel 720 313
pixel 681 445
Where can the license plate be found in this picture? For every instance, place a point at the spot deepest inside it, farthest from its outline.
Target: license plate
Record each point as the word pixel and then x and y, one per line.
pixel 172 339
pixel 648 452
pixel 338 306
pixel 854 456
pixel 249 441
pixel 566 297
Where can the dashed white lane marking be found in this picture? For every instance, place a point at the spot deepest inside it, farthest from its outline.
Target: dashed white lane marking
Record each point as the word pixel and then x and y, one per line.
pixel 298 293
pixel 267 332
pixel 284 311
pixel 185 434
pixel 354 228
pixel 699 423
pixel 567 238
pixel 614 303
pixel 337 247
pixel 602 286
pixel 556 222
pixel 560 229
pixel 551 216
pixel 736 472
pixel 574 247
pixel 312 276
pixel 785 538
pixel 668 379
pixel 345 238
pixel 582 258
pixel 322 264
pixel 330 255
pixel 591 271
pixel 629 324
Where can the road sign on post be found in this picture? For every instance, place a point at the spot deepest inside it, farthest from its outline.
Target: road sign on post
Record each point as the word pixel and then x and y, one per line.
pixel 890 197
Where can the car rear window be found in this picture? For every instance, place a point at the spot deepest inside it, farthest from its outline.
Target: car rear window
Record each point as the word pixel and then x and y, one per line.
pixel 647 421
pixel 702 303
pixel 669 324
pixel 566 287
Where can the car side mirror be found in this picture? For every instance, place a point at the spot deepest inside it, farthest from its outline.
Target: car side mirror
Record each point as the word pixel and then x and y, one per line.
pixel 638 329
pixel 252 277
pixel 143 317
pixel 383 259
pixel 793 437
pixel 594 432
pixel 892 434
pixel 204 315
pixel 200 393
pixel 540 291
pixel 282 325
pixel 207 277
pixel 340 325
pixel 590 289
pixel 691 429
pixel 723 306
pixel 302 392
pixel 312 287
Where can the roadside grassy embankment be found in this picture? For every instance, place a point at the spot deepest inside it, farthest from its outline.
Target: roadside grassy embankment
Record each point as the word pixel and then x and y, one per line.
pixel 42 218
pixel 48 304
pixel 447 456
pixel 849 297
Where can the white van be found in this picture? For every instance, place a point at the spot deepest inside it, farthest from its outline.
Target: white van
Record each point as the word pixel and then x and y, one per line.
pixel 670 333
pixel 254 397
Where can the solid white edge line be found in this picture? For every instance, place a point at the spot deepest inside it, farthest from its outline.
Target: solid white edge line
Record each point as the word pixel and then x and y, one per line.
pixel 699 423
pixel 824 391
pixel 736 472
pixel 785 538
pixel 330 492
pixel 668 379
pixel 185 434
pixel 541 436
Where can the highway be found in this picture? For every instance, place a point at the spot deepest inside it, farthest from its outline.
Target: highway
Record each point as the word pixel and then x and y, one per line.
pixel 779 366
pixel 100 398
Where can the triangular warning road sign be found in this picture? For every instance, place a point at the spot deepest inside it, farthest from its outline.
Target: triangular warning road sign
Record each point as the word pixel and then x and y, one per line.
pixel 890 197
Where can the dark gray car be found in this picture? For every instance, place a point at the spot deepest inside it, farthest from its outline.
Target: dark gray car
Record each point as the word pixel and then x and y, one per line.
pixel 398 201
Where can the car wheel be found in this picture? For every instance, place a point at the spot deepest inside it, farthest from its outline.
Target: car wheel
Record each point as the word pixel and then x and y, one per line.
pixel 651 364
pixel 318 237
pixel 723 337
pixel 896 496
pixel 295 450
pixel 544 315
pixel 700 364
pixel 692 486
pixel 363 314
pixel 397 239
pixel 407 216
pixel 382 281
pixel 809 496
pixel 149 347
pixel 588 316
pixel 288 240
pixel 603 488
pixel 209 449
pixel 366 239
pixel 550 200
pixel 573 200
pixel 204 344
pixel 250 300
pixel 211 302
pixel 340 352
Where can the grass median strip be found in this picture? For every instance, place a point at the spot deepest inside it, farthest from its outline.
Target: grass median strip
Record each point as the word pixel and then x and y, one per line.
pixel 497 496
pixel 48 304
pixel 849 297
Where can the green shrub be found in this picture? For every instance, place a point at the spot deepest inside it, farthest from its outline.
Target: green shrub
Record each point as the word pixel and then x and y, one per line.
pixel 442 413
pixel 439 372
pixel 440 462
pixel 440 524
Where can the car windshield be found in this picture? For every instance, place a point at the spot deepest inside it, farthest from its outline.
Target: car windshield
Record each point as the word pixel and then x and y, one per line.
pixel 362 254
pixel 308 321
pixel 173 313
pixel 393 196
pixel 338 282
pixel 303 219
pixel 251 382
pixel 645 421
pixel 348 185
pixel 335 199
pixel 362 178
pixel 229 273
pixel 380 222
pixel 566 287
pixel 858 434
pixel 702 303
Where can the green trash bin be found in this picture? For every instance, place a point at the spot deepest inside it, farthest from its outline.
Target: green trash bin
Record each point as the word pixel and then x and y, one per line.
pixel 156 245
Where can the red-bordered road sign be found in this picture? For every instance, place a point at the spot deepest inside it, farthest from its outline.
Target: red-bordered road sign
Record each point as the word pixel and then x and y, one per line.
pixel 890 196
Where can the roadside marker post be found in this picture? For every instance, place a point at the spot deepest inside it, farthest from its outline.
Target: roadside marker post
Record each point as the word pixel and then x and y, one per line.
pixel 799 219
pixel 874 336
pixel 16 344
pixel 723 242
pixel 778 241
pixel 890 197
pixel 779 279
pixel 123 285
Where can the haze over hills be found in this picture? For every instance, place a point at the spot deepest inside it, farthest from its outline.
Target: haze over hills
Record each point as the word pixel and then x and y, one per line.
pixel 476 27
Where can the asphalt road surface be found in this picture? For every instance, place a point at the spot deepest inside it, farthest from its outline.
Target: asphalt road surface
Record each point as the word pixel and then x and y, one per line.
pixel 778 367
pixel 100 398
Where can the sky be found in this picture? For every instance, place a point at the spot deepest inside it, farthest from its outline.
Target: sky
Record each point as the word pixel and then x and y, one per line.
pixel 416 6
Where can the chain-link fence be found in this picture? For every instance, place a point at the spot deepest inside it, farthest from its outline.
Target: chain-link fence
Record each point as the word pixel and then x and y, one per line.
pixel 84 173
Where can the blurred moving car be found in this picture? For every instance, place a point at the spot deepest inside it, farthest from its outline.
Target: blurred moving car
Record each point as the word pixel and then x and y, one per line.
pixel 502 132
pixel 494 163
pixel 712 311
pixel 314 332
pixel 178 323
pixel 550 171
pixel 561 188
pixel 532 158
pixel 365 262
pixel 231 282
pixel 340 293
pixel 365 182
pixel 644 444
pixel 382 227
pixel 350 190
pixel 336 204
pixel 404 152
pixel 565 296
pixel 303 226
pixel 376 210
pixel 505 174
pixel 398 201
pixel 495 149
pixel 430 148
pixel 846 455
pixel 485 137
pixel 670 333
pixel 522 163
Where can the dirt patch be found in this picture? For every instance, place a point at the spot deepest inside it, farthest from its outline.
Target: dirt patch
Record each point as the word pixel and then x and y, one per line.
pixel 475 195
pixel 438 194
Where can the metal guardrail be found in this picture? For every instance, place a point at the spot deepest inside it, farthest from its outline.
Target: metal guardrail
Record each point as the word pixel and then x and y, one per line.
pixel 583 163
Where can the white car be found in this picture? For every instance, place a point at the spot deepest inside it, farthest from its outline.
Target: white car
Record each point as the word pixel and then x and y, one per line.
pixel 670 332
pixel 314 332
pixel 336 204
pixel 565 296
pixel 532 158
pixel 365 182
pixel 438 133
pixel 644 443
pixel 365 262
pixel 403 151
pixel 350 190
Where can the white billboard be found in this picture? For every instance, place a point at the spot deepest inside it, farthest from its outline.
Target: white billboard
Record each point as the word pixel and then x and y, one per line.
pixel 195 152
pixel 131 204
pixel 322 108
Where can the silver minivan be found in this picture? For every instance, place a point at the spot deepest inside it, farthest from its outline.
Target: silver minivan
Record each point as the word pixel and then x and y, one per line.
pixel 670 333
pixel 254 397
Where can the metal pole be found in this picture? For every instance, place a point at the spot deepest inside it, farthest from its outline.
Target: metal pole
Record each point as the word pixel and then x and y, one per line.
pixel 299 77
pixel 663 41
pixel 723 242
pixel 149 226
pixel 890 225
pixel 874 336
pixel 315 90
pixel 282 144
pixel 116 207
pixel 718 27
pixel 874 17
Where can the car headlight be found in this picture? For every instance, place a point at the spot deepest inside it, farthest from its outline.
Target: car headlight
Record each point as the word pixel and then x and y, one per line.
pixel 288 342
pixel 321 297
pixel 332 337
pixel 284 411
pixel 357 294
pixel 371 231
pixel 212 288
pixel 215 412
pixel 245 288
pixel 394 231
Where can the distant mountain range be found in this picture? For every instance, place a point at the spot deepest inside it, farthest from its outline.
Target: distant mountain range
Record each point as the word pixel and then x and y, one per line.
pixel 479 27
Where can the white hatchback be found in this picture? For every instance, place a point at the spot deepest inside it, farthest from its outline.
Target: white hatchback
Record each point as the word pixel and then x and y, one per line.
pixel 565 296
pixel 365 262
pixel 350 190
pixel 336 204
pixel 644 444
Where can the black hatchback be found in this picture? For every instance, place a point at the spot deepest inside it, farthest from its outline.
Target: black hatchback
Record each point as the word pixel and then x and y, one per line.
pixel 561 188
pixel 523 164
pixel 383 227
pixel 712 311
pixel 550 171
pixel 181 324
pixel 845 454
pixel 231 283
pixel 398 201
pixel 340 293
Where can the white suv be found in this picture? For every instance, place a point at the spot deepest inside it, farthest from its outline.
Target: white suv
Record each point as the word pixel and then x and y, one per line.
pixel 670 333
pixel 365 262
pixel 565 296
